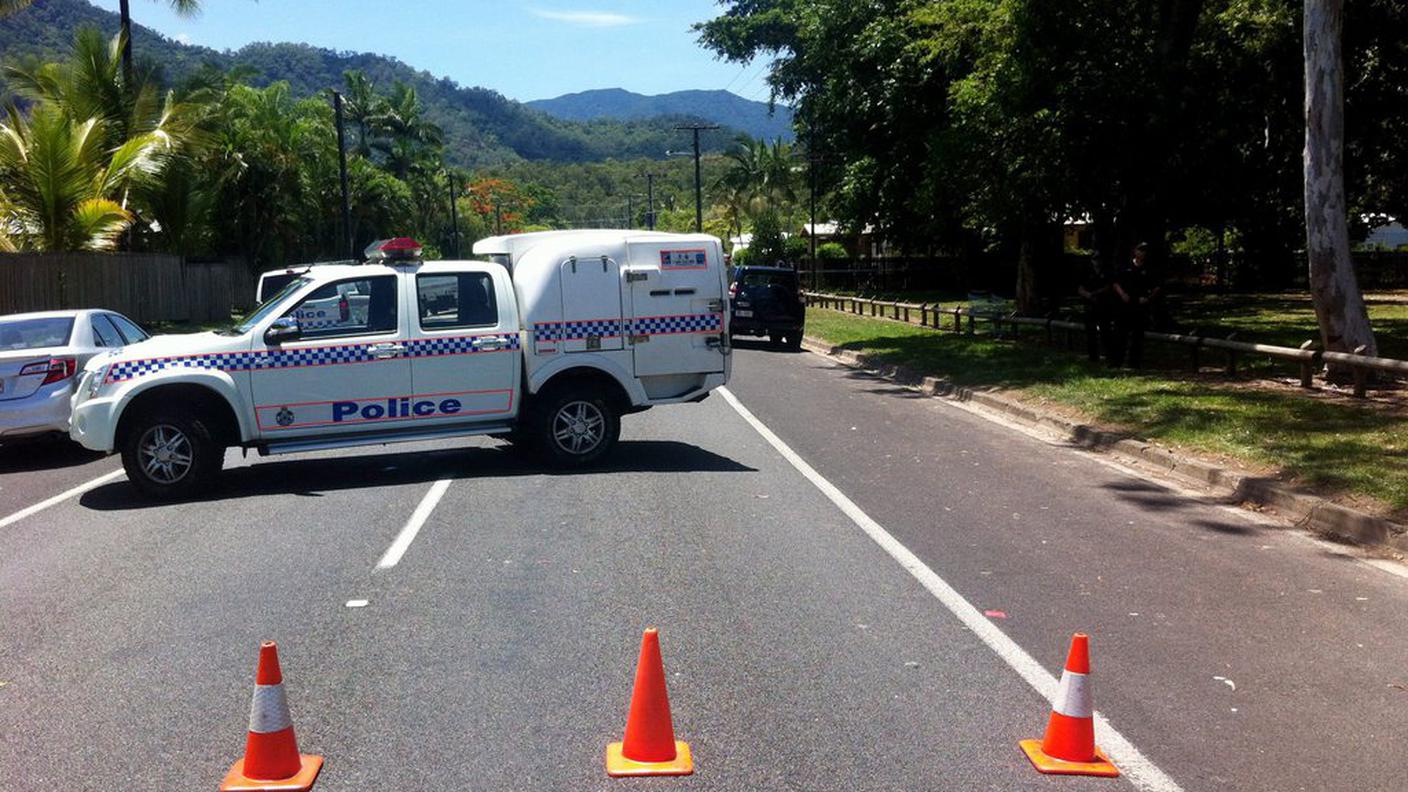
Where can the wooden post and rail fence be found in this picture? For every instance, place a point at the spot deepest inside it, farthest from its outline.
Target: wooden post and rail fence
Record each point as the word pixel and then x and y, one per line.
pixel 146 287
pixel 958 319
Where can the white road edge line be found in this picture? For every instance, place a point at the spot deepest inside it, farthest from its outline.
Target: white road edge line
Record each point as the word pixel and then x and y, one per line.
pixel 60 498
pixel 1140 771
pixel 398 548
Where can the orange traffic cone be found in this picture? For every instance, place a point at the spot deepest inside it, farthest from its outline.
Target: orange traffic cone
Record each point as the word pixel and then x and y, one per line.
pixel 271 760
pixel 1069 745
pixel 650 747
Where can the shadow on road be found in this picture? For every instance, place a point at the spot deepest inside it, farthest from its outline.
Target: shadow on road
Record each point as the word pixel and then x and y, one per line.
pixel 36 455
pixel 762 345
pixel 316 477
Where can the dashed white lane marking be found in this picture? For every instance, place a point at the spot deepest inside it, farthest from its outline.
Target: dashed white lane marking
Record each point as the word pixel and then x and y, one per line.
pixel 357 603
pixel 398 548
pixel 60 498
pixel 1140 771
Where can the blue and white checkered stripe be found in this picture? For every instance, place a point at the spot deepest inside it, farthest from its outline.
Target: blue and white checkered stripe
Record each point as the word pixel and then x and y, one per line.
pixel 462 345
pixel 315 356
pixel 670 325
pixel 576 330
pixel 236 361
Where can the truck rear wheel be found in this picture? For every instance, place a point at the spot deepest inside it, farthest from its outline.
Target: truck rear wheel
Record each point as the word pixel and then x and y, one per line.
pixel 171 456
pixel 573 427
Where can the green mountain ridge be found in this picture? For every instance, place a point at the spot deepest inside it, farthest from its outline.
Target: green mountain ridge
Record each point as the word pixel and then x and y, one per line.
pixel 482 127
pixel 758 119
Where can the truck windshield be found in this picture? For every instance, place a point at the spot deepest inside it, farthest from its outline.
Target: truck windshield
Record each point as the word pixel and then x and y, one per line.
pixel 258 315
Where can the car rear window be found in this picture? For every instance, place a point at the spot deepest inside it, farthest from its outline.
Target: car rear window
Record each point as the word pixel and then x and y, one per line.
pixel 35 333
pixel 787 280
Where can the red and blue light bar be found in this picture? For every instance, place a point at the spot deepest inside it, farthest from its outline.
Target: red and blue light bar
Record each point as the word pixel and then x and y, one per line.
pixel 398 249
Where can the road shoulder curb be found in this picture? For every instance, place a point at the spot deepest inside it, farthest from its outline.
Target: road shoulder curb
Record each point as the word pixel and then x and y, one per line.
pixel 1311 512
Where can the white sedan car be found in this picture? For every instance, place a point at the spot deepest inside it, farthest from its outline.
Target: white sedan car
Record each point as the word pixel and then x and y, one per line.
pixel 40 354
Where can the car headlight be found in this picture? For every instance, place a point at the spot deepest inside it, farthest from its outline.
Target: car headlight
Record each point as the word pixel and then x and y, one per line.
pixel 96 378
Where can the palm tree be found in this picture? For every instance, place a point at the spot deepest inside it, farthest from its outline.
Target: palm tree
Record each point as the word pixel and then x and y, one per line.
pixel 63 182
pixel 364 105
pixel 406 137
pixel 760 175
pixel 92 84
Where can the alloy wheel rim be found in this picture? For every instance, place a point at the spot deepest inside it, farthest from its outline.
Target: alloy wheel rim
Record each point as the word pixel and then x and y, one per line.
pixel 579 427
pixel 165 454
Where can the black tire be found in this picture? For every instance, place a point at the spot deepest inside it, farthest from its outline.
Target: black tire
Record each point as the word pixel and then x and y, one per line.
pixel 775 338
pixel 190 464
pixel 794 342
pixel 574 426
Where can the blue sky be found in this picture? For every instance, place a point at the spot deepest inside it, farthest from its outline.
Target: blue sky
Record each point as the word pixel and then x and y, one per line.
pixel 524 50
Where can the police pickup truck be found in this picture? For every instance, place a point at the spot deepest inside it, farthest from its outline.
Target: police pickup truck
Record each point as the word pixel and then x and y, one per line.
pixel 548 342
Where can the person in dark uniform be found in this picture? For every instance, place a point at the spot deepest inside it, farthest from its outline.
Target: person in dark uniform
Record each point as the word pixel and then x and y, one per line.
pixel 1095 293
pixel 1135 289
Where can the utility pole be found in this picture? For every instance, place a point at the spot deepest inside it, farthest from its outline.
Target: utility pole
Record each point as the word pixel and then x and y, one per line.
pixel 342 167
pixel 650 196
pixel 454 218
pixel 498 220
pixel 811 177
pixel 698 174
pixel 630 210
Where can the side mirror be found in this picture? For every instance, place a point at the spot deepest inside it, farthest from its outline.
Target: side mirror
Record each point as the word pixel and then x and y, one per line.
pixel 285 328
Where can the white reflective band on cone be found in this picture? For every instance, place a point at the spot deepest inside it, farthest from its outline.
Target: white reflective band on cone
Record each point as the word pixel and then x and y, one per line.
pixel 269 711
pixel 1073 695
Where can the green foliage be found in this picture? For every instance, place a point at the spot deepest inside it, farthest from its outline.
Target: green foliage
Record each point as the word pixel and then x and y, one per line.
pixel 91 140
pixel 746 257
pixel 768 247
pixel 832 251
pixel 981 125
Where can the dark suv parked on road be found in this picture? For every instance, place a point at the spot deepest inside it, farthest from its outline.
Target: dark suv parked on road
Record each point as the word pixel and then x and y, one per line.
pixel 767 301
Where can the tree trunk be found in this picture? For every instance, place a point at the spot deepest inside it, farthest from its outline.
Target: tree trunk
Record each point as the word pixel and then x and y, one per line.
pixel 126 14
pixel 1037 254
pixel 1339 305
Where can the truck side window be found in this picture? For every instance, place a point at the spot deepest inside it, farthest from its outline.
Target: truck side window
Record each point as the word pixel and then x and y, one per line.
pixel 350 307
pixel 464 299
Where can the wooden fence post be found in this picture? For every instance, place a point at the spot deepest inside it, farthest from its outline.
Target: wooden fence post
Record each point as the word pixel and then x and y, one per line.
pixel 1196 353
pixel 1361 375
pixel 1231 357
pixel 1307 368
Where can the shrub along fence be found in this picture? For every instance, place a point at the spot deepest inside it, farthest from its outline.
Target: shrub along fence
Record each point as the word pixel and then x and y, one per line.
pixel 147 287
pixel 1002 322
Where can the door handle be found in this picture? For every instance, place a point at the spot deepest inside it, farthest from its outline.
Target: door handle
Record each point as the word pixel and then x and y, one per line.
pixel 384 351
pixel 491 344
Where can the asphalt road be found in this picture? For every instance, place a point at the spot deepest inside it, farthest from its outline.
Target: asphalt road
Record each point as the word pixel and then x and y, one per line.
pixel 498 653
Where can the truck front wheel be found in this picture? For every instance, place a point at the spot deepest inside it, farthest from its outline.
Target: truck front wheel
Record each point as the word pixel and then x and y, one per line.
pixel 170 456
pixel 574 426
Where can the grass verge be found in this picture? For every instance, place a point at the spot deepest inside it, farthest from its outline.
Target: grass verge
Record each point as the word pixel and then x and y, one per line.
pixel 1357 453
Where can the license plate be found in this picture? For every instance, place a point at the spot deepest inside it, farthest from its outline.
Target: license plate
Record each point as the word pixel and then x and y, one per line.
pixel 744 314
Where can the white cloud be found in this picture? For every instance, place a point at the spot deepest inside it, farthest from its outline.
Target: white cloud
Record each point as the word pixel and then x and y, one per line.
pixel 591 19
